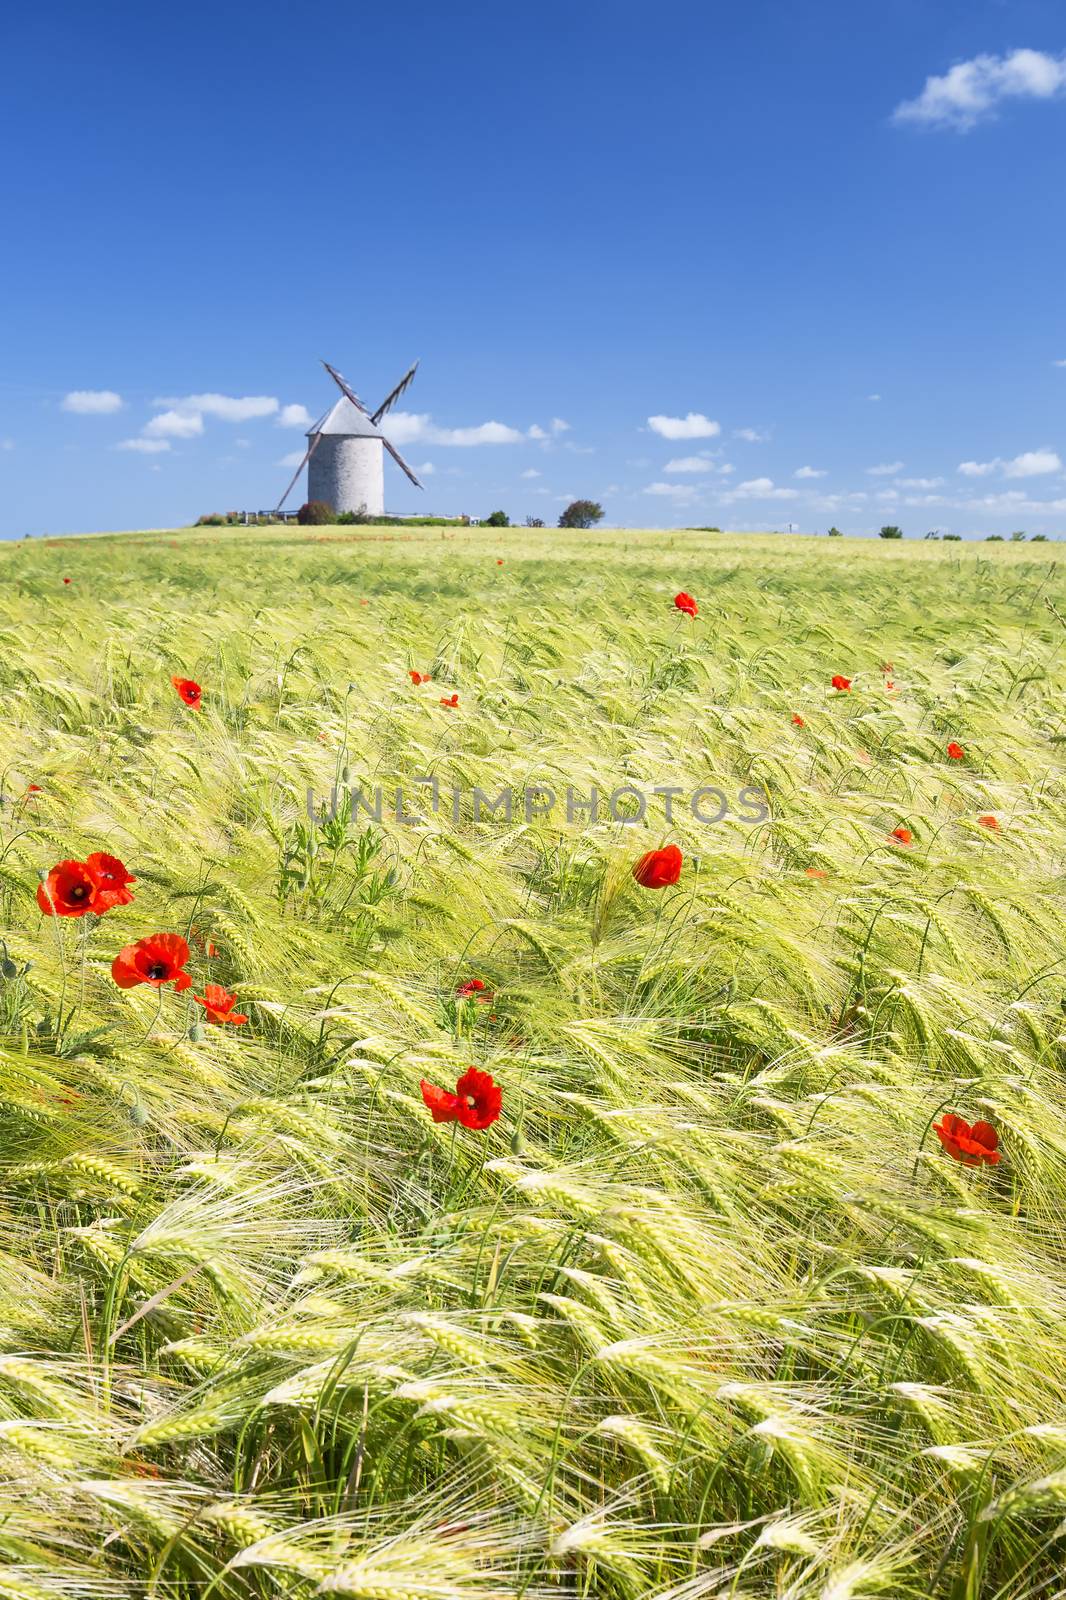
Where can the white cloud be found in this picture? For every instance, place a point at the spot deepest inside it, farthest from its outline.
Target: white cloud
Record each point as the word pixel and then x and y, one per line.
pixel 759 489
pixel 752 435
pixel 294 416
pixel 559 426
pixel 873 397
pixel 147 447
pixel 292 459
pixel 693 426
pixel 809 472
pixel 405 427
pixel 536 432
pixel 531 472
pixel 1030 464
pixel 174 425
pixel 920 483
pixel 230 408
pixel 681 492
pixel 887 469
pixel 7 444
pixel 970 90
pixel 1059 363
pixel 426 470
pixel 690 464
pixel 92 402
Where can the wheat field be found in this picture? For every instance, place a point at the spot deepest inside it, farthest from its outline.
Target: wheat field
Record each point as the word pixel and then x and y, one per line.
pixel 708 1311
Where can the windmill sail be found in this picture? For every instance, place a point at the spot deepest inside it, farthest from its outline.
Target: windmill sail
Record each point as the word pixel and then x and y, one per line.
pixel 308 453
pixel 391 399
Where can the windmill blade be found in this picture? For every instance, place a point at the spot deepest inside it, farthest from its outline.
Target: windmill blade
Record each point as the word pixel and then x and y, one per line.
pixel 391 399
pixel 345 388
pixel 308 453
pixel 400 462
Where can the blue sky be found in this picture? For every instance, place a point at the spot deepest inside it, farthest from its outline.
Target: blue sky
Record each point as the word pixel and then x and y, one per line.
pixel 768 263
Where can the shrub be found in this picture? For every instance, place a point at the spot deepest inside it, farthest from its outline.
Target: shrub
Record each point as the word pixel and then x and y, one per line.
pixel 581 514
pixel 955 538
pixel 1038 538
pixel 213 519
pixel 316 513
pixel 890 531
pixel 1016 538
pixel 834 533
pixel 995 538
pixel 497 519
pixel 534 522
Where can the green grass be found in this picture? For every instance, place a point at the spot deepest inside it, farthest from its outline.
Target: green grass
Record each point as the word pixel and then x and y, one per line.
pixel 707 1312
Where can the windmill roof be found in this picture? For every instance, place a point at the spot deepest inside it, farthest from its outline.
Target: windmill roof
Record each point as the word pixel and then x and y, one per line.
pixel 344 418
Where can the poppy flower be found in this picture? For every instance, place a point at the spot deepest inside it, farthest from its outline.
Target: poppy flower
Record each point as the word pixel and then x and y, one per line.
pixel 887 666
pixel 956 752
pixel 970 1145
pixel 902 836
pixel 451 701
pixel 474 989
pixel 69 890
pixel 798 721
pixel 684 602
pixel 814 872
pixel 218 1005
pixel 499 561
pixel 158 959
pixel 443 1105
pixel 66 580
pixel 659 868
pixel 418 677
pixel 188 691
pixel 890 686
pixel 840 682
pixel 111 879
pixel 34 788
pixel 989 822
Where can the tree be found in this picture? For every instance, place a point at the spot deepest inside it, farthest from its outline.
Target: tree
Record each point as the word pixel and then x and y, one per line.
pixel 890 531
pixel 834 533
pixel 1016 538
pixel 534 522
pixel 316 513
pixel 581 514
pixel 497 519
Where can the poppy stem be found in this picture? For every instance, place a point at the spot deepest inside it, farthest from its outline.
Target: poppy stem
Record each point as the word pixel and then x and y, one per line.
pixel 158 1012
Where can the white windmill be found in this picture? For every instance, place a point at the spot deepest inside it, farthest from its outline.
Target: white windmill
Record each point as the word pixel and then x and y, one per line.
pixel 344 457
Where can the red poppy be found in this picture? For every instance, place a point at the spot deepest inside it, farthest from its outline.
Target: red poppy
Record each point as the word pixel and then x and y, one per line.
pixel 66 580
pixel 499 561
pixel 188 691
pixel 70 890
pixel 111 879
pixel 684 602
pixel 956 752
pixel 443 1105
pixel 798 720
pixel 901 835
pixel 970 1145
pixel 475 1103
pixel 451 702
pixel 887 666
pixel 890 686
pixel 474 989
pixel 659 868
pixel 218 1005
pixel 419 677
pixel 157 960
pixel 989 821
pixel 840 682
pixel 814 872
pixel 34 788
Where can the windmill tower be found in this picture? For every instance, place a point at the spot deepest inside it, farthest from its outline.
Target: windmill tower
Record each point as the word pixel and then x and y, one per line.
pixel 345 452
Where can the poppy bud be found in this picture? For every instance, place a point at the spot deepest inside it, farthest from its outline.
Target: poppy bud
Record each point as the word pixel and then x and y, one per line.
pixel 42 874
pixel 8 968
pixel 196 1032
pixel 518 1144
pixel 346 775
pixel 138 1115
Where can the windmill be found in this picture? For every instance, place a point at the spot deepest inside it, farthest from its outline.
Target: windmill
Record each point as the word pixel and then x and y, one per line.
pixel 344 456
